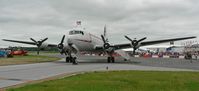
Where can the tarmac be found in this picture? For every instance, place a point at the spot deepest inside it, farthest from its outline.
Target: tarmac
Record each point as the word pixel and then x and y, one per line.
pixel 17 74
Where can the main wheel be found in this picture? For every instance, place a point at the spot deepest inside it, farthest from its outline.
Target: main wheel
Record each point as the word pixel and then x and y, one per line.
pixel 67 59
pixel 109 59
pixel 74 60
pixel 112 59
pixel 70 59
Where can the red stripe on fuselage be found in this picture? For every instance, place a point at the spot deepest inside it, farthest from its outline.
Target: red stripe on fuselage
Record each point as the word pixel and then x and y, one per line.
pixel 88 41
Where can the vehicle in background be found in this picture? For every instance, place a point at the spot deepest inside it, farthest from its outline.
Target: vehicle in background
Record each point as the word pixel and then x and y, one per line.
pixel 5 53
pixel 188 55
pixel 19 52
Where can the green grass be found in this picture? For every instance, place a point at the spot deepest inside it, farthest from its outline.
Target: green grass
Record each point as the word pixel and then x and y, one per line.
pixel 27 59
pixel 120 81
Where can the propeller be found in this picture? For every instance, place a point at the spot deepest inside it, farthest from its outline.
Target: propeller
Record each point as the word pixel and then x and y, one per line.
pixel 106 44
pixel 38 43
pixel 61 44
pixel 135 42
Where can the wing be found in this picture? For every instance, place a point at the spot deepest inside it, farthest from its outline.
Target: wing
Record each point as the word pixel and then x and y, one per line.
pixel 128 45
pixel 165 40
pixel 23 42
pixel 27 42
pixel 52 45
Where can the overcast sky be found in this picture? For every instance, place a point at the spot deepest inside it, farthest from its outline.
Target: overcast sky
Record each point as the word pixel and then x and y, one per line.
pixel 155 19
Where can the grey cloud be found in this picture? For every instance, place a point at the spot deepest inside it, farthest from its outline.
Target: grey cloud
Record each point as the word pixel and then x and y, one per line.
pixel 21 19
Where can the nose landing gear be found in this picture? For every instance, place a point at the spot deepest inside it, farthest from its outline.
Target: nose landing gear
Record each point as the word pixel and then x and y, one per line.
pixel 70 59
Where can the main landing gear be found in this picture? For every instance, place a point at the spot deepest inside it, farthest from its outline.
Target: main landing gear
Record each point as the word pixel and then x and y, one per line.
pixel 71 59
pixel 111 60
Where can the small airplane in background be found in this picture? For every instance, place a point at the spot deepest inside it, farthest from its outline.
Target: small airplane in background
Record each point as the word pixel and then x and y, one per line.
pixel 78 40
pixel 153 48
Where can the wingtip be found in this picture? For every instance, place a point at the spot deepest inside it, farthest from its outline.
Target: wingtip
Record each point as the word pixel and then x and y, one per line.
pixel 193 37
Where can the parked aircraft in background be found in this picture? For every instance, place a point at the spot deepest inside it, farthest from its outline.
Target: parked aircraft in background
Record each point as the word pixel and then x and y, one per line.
pixel 78 40
pixel 153 48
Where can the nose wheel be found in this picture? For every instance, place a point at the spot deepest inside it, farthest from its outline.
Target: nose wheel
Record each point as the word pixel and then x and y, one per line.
pixel 111 60
pixel 71 59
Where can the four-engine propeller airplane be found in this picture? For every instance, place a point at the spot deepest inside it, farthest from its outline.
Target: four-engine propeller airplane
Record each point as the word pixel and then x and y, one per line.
pixel 78 40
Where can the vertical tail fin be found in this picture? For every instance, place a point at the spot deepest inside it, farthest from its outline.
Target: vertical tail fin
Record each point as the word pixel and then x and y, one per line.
pixel 105 34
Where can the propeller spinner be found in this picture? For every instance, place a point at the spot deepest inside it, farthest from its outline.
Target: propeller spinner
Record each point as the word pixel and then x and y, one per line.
pixel 135 42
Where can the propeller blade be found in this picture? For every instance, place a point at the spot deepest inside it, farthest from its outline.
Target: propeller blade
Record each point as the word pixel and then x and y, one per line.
pixel 61 45
pixel 33 40
pixel 44 40
pixel 142 39
pixel 128 38
pixel 38 43
pixel 103 39
pixel 105 30
pixel 62 41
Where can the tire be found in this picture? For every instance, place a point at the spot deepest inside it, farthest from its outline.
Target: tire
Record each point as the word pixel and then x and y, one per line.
pixel 71 59
pixel 67 59
pixel 112 59
pixel 74 60
pixel 109 59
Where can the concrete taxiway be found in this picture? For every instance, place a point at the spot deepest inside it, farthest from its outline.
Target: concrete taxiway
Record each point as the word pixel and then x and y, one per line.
pixel 17 74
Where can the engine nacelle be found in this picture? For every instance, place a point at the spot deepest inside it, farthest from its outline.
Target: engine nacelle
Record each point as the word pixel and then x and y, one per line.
pixel 70 48
pixel 67 48
pixel 111 49
pixel 44 45
pixel 136 46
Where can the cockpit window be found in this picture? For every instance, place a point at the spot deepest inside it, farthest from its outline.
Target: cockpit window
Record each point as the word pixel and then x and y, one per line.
pixel 76 32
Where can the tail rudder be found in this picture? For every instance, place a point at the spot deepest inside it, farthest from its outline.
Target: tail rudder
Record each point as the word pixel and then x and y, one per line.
pixel 105 33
